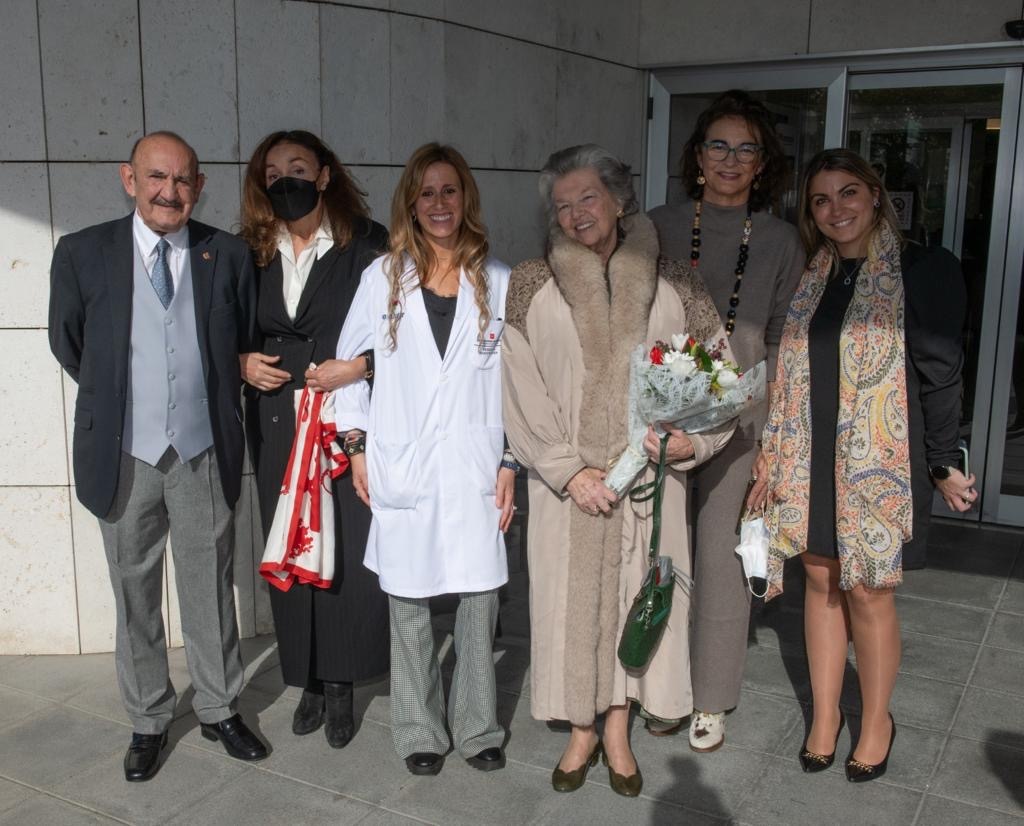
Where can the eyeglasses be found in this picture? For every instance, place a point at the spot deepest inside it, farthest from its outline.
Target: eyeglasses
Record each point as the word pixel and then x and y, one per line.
pixel 745 152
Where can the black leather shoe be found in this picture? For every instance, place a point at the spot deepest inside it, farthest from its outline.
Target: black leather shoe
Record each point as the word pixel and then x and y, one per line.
pixel 309 713
pixel 424 762
pixel 488 760
pixel 812 762
pixel 142 760
pixel 236 738
pixel 857 772
pixel 340 726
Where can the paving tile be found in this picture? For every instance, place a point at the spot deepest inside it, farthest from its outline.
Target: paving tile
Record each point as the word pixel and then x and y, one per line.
pixel 770 672
pixel 1013 597
pixel 982 773
pixel 530 741
pixel 970 589
pixel 55 744
pixel 929 704
pixel 12 794
pixel 760 722
pixel 785 796
pixel 602 807
pixel 1007 632
pixel 981 542
pixel 186 776
pixel 992 716
pixel 940 811
pixel 716 783
pixel 928 656
pixel 42 809
pixel 779 630
pixel 15 705
pixel 382 817
pixel 261 797
pixel 1000 669
pixel 461 794
pixel 60 677
pixel 367 768
pixel 957 622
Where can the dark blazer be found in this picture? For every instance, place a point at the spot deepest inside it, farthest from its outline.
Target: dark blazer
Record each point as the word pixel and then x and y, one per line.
pixel 91 283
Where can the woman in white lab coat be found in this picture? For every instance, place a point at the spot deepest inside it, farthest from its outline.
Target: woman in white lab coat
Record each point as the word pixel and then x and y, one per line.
pixel 433 471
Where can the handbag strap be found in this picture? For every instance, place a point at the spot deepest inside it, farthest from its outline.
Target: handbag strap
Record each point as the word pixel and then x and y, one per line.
pixel 654 490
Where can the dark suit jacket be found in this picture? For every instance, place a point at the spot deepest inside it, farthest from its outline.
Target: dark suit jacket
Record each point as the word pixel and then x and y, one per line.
pixel 91 284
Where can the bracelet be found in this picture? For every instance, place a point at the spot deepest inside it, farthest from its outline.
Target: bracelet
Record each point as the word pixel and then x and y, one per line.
pixel 354 444
pixel 509 461
pixel 368 373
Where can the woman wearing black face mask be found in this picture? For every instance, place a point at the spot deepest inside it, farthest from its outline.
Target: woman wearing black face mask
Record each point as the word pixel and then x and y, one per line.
pixel 311 236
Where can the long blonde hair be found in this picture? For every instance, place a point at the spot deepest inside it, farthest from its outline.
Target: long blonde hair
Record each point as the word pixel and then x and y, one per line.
pixel 407 238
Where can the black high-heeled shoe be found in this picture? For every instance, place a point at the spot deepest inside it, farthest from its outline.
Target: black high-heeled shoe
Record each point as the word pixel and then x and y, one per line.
pixel 811 761
pixel 858 772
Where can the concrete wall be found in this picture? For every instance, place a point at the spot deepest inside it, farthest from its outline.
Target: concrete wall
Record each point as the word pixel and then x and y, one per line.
pixel 79 82
pixel 677 33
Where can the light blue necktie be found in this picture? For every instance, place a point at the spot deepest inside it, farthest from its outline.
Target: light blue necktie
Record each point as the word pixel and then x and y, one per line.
pixel 161 274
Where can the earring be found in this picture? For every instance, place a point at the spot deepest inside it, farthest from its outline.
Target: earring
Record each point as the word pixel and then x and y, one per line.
pixel 620 214
pixel 413 214
pixel 757 182
pixel 701 179
pixel 877 203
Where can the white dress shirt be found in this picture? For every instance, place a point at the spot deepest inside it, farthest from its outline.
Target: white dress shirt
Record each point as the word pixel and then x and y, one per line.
pixel 146 241
pixel 295 272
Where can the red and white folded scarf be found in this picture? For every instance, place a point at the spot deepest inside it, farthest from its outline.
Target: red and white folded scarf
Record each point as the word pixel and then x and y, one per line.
pixel 300 545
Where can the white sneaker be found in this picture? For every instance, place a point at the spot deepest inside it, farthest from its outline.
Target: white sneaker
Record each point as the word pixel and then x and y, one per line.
pixel 707 730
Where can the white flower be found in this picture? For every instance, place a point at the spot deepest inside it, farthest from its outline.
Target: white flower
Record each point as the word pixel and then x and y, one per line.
pixel 727 377
pixel 716 365
pixel 683 365
pixel 669 356
pixel 679 340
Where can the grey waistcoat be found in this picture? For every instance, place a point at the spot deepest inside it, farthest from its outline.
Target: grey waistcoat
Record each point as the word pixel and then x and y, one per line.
pixel 166 391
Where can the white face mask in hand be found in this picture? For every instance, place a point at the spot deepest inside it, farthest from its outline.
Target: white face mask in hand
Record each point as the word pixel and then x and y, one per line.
pixel 753 551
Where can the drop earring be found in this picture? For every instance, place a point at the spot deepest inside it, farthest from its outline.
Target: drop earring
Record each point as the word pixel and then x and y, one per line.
pixel 701 179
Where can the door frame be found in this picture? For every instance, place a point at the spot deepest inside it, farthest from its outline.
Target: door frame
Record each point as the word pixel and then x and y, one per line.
pixel 839 75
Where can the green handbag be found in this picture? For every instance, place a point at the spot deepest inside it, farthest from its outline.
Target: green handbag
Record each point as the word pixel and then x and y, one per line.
pixel 651 607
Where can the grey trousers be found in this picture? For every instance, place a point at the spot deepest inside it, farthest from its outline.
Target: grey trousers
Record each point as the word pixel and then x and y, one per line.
pixel 187 502
pixel 720 613
pixel 417 692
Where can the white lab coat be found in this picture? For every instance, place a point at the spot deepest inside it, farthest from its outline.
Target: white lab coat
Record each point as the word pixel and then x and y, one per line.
pixel 434 438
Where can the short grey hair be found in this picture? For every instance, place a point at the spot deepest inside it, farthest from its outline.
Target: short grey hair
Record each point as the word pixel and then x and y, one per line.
pixel 614 174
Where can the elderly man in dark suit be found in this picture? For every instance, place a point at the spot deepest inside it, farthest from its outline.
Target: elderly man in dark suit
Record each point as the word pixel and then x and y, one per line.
pixel 148 314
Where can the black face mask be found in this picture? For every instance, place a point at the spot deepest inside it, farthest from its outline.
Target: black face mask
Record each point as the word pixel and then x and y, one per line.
pixel 292 198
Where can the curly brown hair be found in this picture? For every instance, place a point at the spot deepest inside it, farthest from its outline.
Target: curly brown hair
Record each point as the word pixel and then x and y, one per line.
pixel 407 238
pixel 344 202
pixel 738 104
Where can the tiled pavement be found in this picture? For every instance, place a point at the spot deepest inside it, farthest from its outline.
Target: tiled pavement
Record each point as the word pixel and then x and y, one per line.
pixel 958 758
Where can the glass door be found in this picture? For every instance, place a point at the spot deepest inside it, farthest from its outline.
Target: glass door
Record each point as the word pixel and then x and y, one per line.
pixel 934 138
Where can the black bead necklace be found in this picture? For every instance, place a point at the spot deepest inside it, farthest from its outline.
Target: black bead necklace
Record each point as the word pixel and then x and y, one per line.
pixel 741 261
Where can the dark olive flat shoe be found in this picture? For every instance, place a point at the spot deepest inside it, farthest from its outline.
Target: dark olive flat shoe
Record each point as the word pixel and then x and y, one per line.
pixel 562 781
pixel 626 786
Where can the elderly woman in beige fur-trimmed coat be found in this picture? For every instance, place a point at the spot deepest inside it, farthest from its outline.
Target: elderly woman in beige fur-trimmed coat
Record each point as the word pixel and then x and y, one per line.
pixel 572 320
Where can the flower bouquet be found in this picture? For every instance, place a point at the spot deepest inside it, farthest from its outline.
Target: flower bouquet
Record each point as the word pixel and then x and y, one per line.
pixel 684 383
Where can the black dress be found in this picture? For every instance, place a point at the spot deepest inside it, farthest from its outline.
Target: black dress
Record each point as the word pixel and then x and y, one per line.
pixel 935 301
pixel 338 634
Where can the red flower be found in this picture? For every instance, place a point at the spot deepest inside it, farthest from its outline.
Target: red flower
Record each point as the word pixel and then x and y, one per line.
pixel 691 341
pixel 656 355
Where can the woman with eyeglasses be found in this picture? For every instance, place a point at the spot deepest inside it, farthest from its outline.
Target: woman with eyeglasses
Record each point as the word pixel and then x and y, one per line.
pixel 733 170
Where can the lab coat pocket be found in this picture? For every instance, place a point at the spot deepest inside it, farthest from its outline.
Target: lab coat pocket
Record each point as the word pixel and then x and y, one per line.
pixel 482 447
pixel 393 471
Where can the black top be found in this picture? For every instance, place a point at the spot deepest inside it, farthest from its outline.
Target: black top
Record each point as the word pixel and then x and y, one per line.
pixel 935 301
pixel 441 312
